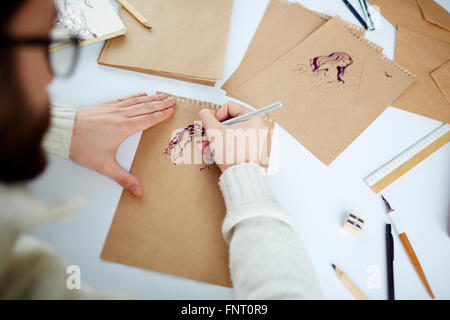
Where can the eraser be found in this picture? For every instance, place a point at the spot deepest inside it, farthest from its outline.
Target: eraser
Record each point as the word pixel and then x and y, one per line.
pixel 353 224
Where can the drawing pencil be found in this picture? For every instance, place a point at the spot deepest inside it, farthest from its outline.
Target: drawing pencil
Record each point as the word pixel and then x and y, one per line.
pixel 390 262
pixel 356 14
pixel 349 284
pixel 366 11
pixel 395 220
pixel 135 13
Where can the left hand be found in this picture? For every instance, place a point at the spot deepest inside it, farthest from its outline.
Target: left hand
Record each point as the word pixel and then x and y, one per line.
pixel 100 129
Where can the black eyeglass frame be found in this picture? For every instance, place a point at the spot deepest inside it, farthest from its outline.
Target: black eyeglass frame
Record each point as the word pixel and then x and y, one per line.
pixel 9 41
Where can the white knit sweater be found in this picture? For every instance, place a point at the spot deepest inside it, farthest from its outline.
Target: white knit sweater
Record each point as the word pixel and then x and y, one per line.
pixel 267 260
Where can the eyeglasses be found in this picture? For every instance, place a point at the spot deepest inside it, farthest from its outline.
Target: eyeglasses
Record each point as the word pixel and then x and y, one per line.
pixel 61 48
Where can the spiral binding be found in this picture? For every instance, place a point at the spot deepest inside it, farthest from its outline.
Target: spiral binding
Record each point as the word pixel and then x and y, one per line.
pixel 378 49
pixel 353 27
pixel 203 104
pixel 356 30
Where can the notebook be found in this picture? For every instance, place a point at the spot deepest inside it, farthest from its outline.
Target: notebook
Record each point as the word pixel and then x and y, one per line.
pixel 284 25
pixel 333 85
pixel 188 40
pixel 90 20
pixel 175 227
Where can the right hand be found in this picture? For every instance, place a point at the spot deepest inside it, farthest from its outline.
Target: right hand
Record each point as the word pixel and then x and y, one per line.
pixel 225 151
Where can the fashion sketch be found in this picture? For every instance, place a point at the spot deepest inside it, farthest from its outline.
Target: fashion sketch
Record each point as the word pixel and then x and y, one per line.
pixel 327 69
pixel 71 17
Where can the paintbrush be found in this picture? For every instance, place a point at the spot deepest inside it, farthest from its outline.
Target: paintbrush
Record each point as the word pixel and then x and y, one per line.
pixel 395 220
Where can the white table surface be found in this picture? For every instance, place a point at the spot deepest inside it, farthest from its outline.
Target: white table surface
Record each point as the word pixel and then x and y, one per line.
pixel 316 196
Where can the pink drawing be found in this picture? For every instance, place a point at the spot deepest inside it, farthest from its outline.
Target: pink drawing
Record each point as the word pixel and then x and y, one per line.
pixel 181 140
pixel 328 67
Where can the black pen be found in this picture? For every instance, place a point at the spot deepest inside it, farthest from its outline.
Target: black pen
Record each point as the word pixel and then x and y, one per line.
pixel 356 14
pixel 390 262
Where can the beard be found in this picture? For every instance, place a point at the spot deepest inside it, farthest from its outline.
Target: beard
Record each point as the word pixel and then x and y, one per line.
pixel 22 130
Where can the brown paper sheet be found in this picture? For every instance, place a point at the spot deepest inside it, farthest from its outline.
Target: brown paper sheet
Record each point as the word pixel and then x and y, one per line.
pixel 283 26
pixel 407 13
pixel 188 40
pixel 175 227
pixel 329 102
pixel 422 55
pixel 434 13
pixel 441 77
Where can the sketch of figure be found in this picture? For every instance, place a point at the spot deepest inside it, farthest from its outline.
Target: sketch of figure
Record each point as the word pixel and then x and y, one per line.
pixel 328 69
pixel 180 141
pixel 71 17
pixel 88 3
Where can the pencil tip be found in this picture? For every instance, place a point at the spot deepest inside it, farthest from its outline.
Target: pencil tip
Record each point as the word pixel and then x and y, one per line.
pixel 334 266
pixel 383 198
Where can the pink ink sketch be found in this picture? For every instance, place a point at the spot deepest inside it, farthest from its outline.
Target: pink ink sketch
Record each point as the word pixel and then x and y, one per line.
pixel 180 142
pixel 328 69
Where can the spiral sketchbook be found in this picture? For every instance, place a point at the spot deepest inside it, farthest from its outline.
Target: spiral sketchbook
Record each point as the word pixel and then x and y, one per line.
pixel 175 227
pixel 333 84
pixel 188 40
pixel 271 40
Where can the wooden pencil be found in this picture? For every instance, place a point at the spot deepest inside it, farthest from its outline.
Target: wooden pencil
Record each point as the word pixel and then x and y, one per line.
pixel 349 284
pixel 135 13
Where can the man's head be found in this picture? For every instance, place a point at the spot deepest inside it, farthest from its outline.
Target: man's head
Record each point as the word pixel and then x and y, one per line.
pixel 24 77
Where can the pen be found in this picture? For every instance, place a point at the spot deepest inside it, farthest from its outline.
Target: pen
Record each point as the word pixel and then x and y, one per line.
pixel 356 14
pixel 249 115
pixel 390 262
pixel 366 11
pixel 133 11
pixel 395 220
pixel 349 284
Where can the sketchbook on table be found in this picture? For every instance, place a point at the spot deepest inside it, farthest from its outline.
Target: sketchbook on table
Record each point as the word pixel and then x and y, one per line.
pixel 334 84
pixel 89 20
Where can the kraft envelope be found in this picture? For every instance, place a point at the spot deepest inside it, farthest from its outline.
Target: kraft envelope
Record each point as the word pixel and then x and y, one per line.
pixel 333 85
pixel 422 55
pixel 407 13
pixel 283 26
pixel 188 40
pixel 434 13
pixel 441 77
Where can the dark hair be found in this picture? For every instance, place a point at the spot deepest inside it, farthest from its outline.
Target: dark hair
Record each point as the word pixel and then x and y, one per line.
pixel 317 62
pixel 21 131
pixel 7 10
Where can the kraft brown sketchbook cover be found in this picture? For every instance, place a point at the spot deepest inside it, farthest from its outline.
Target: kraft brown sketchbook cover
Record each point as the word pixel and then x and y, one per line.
pixel 333 85
pixel 188 40
pixel 175 227
pixel 283 26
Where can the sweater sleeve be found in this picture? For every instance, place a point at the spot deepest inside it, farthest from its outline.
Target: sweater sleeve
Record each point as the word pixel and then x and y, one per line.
pixel 58 137
pixel 267 258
